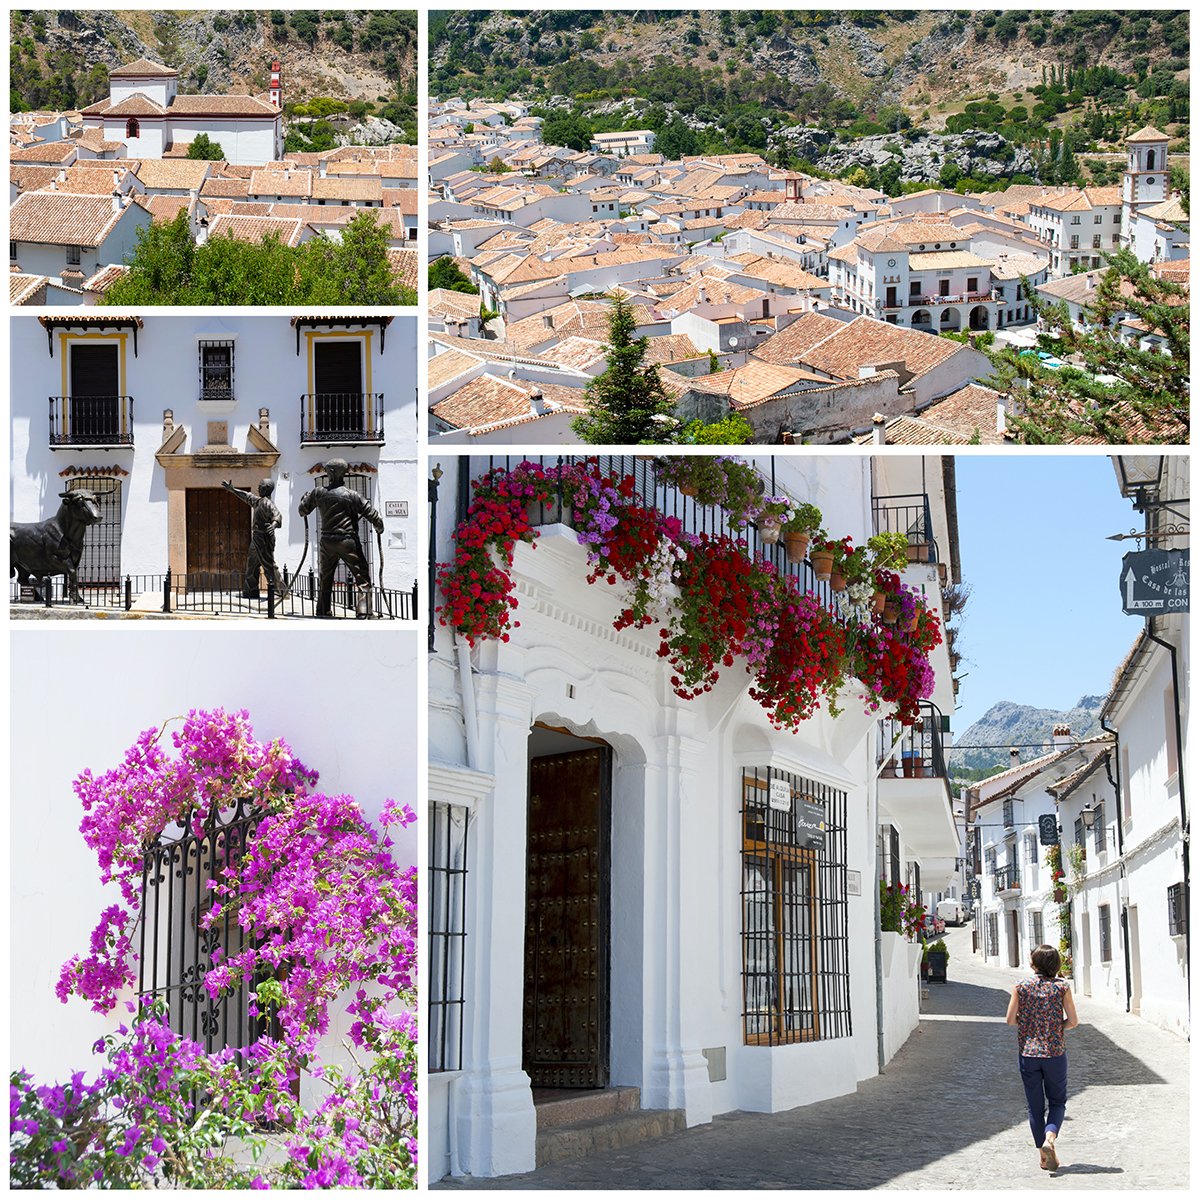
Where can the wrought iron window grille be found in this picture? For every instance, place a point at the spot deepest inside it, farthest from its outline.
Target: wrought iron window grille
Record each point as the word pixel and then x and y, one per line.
pixel 1176 911
pixel 216 370
pixel 449 826
pixel 795 941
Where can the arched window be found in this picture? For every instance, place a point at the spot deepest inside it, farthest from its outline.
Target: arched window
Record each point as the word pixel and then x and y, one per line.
pixel 1149 160
pixel 131 128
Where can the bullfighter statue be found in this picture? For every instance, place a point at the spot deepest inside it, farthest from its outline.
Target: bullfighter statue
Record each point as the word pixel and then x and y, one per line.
pixel 341 510
pixel 265 519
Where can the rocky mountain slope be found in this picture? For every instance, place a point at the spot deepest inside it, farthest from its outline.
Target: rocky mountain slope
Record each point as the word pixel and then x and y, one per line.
pixel 1006 724
pixel 61 58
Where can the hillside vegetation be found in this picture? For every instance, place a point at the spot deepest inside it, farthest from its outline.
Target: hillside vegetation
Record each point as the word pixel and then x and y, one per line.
pixel 364 61
pixel 1058 84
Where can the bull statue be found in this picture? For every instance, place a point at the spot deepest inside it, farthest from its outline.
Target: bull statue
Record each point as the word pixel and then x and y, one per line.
pixel 53 547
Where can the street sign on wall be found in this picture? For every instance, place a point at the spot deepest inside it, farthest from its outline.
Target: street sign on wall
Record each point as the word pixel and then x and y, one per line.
pixel 1155 582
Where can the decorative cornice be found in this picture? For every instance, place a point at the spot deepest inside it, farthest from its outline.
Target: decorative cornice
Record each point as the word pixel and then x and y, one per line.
pixel 351 469
pixel 92 471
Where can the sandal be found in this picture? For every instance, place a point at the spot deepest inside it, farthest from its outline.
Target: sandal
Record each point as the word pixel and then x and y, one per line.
pixel 1049 1158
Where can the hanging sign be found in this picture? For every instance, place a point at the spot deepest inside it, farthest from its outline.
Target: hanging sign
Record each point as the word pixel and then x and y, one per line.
pixel 1155 582
pixel 1048 829
pixel 810 825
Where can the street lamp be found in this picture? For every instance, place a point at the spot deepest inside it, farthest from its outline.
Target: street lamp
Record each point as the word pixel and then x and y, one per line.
pixel 1137 475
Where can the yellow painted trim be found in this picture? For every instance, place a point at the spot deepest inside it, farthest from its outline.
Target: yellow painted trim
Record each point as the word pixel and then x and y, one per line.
pixel 363 337
pixel 64 352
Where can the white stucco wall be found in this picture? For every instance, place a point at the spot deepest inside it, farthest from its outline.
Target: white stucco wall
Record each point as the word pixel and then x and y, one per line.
pixel 165 374
pixel 340 700
pixel 44 258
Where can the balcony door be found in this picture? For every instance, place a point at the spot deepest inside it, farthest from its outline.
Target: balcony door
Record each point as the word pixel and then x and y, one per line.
pixel 95 394
pixel 337 378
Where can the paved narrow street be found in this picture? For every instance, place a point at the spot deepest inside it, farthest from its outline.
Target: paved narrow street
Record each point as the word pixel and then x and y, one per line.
pixel 948 1113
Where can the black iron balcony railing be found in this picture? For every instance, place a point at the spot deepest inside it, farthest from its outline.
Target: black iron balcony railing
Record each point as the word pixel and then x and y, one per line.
pixel 909 515
pixel 1006 879
pixel 694 518
pixel 341 418
pixel 91 421
pixel 920 752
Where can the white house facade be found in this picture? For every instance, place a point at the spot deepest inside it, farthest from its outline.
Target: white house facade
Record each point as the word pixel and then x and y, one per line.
pixel 563 756
pixel 153 412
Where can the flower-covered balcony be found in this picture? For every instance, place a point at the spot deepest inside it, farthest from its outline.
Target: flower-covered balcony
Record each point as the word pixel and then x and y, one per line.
pixel 914 786
pixel 712 554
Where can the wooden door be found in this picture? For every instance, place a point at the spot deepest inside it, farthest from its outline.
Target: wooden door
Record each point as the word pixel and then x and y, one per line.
pixel 565 1016
pixel 218 538
pixel 95 394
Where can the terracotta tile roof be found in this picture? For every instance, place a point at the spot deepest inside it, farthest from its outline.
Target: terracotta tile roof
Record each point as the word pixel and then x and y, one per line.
pixel 906 430
pixel 59 219
pixel 144 67
pixel 929 232
pixel 165 208
pixel 1176 270
pixel 784 274
pixel 491 401
pixel 589 317
pixel 578 352
pixel 971 408
pixel 879 240
pixel 253 229
pixel 449 365
pixel 867 342
pixel 751 384
pixel 404 266
pixel 793 343
pixel 445 302
pixel 281 183
pixel 27 289
pixel 105 278
pixel 230 189
pixel 32 179
pixel 1013 266
pixel 93 139
pixel 1147 133
pixel 172 173
pixel 47 152
pixel 222 106
pixel 1169 210
pixel 353 188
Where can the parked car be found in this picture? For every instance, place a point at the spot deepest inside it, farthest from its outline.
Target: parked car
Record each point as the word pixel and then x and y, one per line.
pixel 934 925
pixel 953 912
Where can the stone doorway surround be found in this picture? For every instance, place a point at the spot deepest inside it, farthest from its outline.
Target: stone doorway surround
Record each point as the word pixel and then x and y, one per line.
pixel 206 468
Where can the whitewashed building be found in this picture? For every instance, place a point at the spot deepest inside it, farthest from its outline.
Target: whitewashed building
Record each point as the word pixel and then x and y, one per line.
pixel 564 752
pixel 153 412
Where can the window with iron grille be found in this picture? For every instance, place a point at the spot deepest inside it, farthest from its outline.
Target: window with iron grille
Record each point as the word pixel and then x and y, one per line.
pixel 1031 849
pixel 447 933
pixel 363 485
pixel 1035 929
pixel 989 860
pixel 1008 814
pixel 1176 911
pixel 216 370
pixel 100 562
pixel 992 935
pixel 73 256
pixel 795 967
pixel 1104 913
pixel 1079 834
pixel 1100 834
pixel 175 949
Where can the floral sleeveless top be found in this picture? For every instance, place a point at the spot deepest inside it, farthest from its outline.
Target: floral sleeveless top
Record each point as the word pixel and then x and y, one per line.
pixel 1040 1017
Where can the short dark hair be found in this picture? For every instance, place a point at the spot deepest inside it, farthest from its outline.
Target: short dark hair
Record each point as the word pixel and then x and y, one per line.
pixel 1046 961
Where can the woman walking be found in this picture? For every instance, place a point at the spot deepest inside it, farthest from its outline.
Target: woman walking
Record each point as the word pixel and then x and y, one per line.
pixel 1042 1009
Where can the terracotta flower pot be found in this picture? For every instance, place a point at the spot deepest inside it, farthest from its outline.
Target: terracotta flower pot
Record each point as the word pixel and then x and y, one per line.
pixel 889 770
pixel 822 563
pixel 910 626
pixel 878 600
pixel 796 545
pixel 837 581
pixel 550 512
pixel 767 533
pixel 891 614
pixel 918 552
pixel 688 489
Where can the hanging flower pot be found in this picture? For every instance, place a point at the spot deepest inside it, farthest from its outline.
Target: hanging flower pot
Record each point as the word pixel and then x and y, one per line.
pixel 891 613
pixel 837 581
pixel 796 545
pixel 767 532
pixel 910 626
pixel 822 563
pixel 688 489
pixel 878 601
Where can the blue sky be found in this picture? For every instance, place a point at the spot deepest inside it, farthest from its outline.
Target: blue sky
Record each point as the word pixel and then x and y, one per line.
pixel 1044 624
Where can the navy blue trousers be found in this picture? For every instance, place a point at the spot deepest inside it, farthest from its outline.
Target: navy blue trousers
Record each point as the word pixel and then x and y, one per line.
pixel 1045 1081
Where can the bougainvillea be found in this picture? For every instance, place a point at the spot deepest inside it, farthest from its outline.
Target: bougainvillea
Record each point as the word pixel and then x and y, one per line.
pixel 724 604
pixel 325 912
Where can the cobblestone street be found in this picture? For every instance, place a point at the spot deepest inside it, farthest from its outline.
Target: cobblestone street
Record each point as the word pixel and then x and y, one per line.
pixel 949 1113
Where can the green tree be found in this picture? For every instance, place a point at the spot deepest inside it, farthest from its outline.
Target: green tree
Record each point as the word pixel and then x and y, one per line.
pixel 204 148
pixel 733 430
pixel 626 399
pixel 1121 394
pixel 354 266
pixel 444 273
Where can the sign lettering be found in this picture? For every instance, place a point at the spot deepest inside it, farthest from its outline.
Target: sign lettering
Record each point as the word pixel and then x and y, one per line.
pixel 1155 582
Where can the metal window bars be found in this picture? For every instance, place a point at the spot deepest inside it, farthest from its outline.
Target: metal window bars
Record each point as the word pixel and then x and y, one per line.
pixel 1036 937
pixel 694 518
pixel 992 936
pixel 176 949
pixel 100 562
pixel 448 829
pixel 910 515
pixel 1176 911
pixel 795 939
pixel 216 370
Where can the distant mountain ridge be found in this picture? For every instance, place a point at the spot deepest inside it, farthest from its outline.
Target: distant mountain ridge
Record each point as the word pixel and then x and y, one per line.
pixel 1007 724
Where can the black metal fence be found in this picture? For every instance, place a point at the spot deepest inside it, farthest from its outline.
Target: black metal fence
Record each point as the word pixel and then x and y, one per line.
pixel 91 420
pixel 795 939
pixel 920 751
pixel 909 515
pixel 341 417
pixel 220 593
pixel 175 949
pixel 694 518
pixel 448 829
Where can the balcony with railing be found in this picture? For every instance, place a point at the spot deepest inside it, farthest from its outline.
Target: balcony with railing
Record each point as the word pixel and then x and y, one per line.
pixel 103 421
pixel 341 418
pixel 914 785
pixel 957 298
pixel 1006 879
pixel 910 515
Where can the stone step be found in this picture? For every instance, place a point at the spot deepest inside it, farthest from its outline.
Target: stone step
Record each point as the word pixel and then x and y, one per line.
pixel 558 1143
pixel 567 1106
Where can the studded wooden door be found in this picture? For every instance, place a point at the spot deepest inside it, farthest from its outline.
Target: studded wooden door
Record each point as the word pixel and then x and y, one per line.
pixel 218 538
pixel 565 1017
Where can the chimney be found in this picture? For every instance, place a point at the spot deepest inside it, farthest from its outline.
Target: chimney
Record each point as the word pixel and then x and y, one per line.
pixel 548 320
pixel 116 201
pixel 536 403
pixel 879 430
pixel 1001 417
pixel 1014 758
pixel 1062 737
pixel 264 422
pixel 703 294
pixel 324 166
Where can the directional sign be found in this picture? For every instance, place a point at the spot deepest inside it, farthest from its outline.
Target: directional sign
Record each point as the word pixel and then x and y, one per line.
pixel 1048 829
pixel 1155 582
